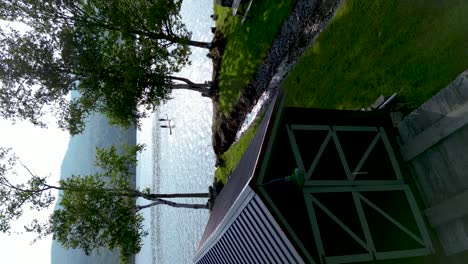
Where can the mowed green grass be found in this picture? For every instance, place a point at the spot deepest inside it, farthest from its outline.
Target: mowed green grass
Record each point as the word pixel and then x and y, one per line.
pixel 374 47
pixel 371 47
pixel 247 45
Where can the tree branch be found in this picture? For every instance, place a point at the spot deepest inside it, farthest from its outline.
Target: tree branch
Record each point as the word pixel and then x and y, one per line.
pixel 180 79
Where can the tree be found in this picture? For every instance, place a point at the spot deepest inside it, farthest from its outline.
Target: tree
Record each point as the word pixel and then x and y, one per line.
pixel 137 19
pixel 119 55
pixel 97 210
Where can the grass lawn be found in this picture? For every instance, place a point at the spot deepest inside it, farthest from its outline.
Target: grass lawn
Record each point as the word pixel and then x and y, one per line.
pixel 376 47
pixel 247 45
pixel 371 47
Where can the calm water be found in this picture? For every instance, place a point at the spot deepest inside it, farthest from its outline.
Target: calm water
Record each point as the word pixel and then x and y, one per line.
pixel 183 161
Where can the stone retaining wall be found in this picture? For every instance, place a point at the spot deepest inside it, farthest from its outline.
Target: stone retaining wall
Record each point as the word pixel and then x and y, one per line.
pixel 435 144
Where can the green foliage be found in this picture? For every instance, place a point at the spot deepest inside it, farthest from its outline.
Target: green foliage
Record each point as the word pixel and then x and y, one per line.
pixel 247 45
pixel 118 168
pixel 91 216
pixel 371 48
pixel 117 54
pixel 27 60
pixel 14 197
pixel 94 211
pixel 99 210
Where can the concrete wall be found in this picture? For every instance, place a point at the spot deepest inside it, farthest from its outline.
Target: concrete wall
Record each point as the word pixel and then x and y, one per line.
pixel 435 144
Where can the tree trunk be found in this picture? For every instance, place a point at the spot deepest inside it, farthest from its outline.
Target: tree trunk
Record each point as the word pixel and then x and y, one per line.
pixel 183 205
pixel 194 43
pixel 156 196
pixel 199 44
pixel 198 87
pixel 185 80
pixel 205 91
pixel 172 204
pixel 203 88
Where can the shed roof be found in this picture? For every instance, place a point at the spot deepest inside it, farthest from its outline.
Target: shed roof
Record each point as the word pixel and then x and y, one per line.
pixel 243 173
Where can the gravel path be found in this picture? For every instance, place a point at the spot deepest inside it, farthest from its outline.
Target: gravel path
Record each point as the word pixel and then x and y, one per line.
pixel 308 19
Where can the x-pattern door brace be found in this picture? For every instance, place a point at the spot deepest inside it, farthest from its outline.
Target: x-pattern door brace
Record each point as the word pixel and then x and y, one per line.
pixel 356 188
pixel 332 136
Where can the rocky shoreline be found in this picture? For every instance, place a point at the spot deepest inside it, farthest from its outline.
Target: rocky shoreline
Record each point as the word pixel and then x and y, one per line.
pixel 299 31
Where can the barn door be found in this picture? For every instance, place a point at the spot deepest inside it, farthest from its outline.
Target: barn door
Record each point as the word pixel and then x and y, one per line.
pixel 358 205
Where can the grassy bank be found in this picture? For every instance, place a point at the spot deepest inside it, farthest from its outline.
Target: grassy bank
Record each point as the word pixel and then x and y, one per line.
pixel 246 48
pixel 231 158
pixel 370 48
pixel 247 45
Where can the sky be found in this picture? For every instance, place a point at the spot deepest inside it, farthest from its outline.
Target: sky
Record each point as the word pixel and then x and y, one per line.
pixel 41 150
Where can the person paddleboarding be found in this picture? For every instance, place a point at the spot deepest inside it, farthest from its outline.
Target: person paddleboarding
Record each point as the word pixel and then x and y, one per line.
pixel 169 124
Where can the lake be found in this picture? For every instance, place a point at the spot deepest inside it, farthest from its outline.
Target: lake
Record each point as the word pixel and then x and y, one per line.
pixel 183 161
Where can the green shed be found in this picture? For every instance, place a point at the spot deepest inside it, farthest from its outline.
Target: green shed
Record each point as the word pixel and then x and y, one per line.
pixel 317 186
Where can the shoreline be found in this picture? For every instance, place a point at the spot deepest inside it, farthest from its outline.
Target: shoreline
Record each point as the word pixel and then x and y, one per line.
pixel 298 33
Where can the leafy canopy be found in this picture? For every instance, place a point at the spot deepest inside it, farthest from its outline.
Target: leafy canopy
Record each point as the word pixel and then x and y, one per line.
pixel 116 54
pixel 99 210
pixel 94 211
